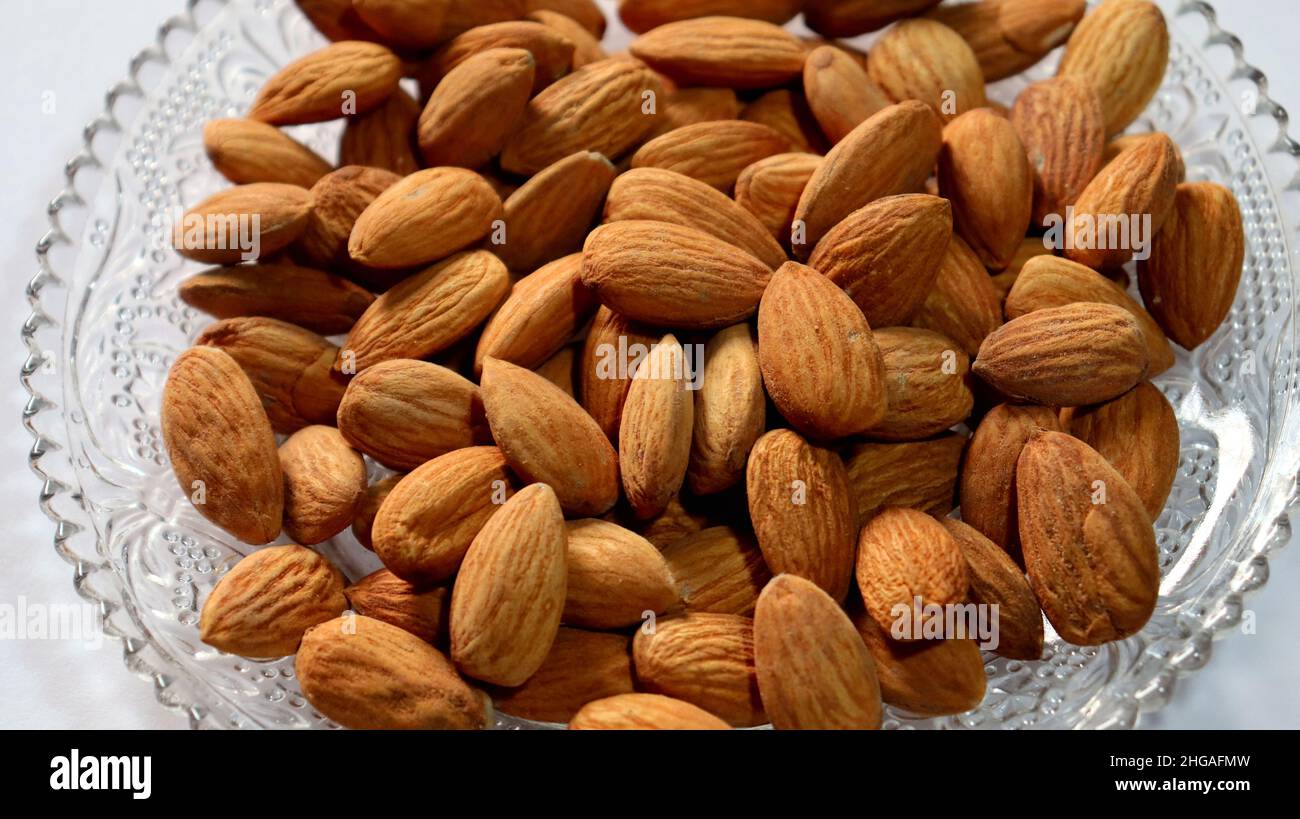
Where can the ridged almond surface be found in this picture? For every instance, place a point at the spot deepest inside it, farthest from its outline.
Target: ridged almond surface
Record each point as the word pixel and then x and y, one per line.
pixel 643 15
pixel 722 51
pixel 925 379
pixel 413 24
pixel 770 189
pixel 814 671
pixel 603 384
pixel 654 437
pixel 256 221
pixel 1065 356
pixel 996 580
pixel 551 214
pixel 544 310
pixel 927 677
pixel 429 311
pixel 384 596
pixel 1191 279
pixel 586 46
pixel 839 91
pixel 585 12
pixel 324 481
pixel 1009 36
pixel 424 218
pixel 712 152
pixel 963 304
pixel 337 200
pixel 509 593
pixel 718 570
pixel 1063 129
pixel 687 106
pixel 801 506
pixel 913 474
pixel 1089 546
pixel 471 113
pixel 582 667
pixel 786 111
pixel 403 413
pixel 644 712
pixel 667 275
pixel 820 362
pixel 559 370
pixel 364 673
pixel 428 520
pixel 704 659
pixel 316 87
pixel 464 15
pixel 984 172
pixel 312 299
pixel 730 411
pixel 552 52
pixel 849 18
pixel 925 60
pixel 904 554
pixel 376 493
pixel 262 606
pixel 548 438
pixel 383 138
pixel 615 576
pixel 221 445
pixel 245 151
pixel 1121 48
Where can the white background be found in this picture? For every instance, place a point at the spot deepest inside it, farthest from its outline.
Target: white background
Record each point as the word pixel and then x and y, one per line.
pixel 77 49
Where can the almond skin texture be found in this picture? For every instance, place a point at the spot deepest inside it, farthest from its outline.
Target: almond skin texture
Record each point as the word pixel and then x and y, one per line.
pixel 667 275
pixel 1138 434
pixel 730 410
pixel 666 196
pixel 893 152
pixel 464 15
pixel 1061 124
pixel 904 554
pixel 1121 48
pixel 403 413
pixel 927 677
pixel 654 438
pixel 582 666
pixel 713 152
pixel 543 312
pixel 413 24
pixel 366 674
pixel 426 217
pixel 602 385
pixel 552 53
pixel 262 606
pixel 383 138
pixel 615 577
pixel 221 445
pixel 316 88
pixel 704 659
pixel 597 108
pixel 770 189
pixel 548 438
pixel 839 92
pixel 643 15
pixel 814 671
pixel 722 51
pixel 644 712
pixel 318 301
pixel 245 150
pixel 1009 36
pixel 820 362
pixel 963 304
pixel 243 223
pixel 509 593
pixel 925 381
pixel 1065 356
pixel 475 107
pixel 324 480
pixel 338 199
pixel 849 18
pixel 887 255
pixel 996 580
pixel 915 475
pixel 551 214
pixel 687 106
pixel 983 170
pixel 1191 279
pixel 384 596
pixel 1050 281
pixel 376 494
pixel 718 570
pixel 988 476
pixel 586 46
pixel 427 522
pixel 927 61
pixel 786 111
pixel 1092 564
pixel 802 509
pixel 429 311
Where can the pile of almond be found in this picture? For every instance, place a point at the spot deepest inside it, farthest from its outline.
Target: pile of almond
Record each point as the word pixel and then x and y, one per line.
pixel 680 361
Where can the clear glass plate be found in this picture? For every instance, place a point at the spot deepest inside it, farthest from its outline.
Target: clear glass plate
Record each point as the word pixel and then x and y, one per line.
pixel 106 325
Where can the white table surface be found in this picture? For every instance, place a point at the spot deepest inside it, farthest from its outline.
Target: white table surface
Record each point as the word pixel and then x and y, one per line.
pixel 71 51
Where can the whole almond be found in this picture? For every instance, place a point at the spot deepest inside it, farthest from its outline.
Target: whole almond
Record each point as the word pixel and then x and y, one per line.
pixel 820 362
pixel 413 24
pixel 642 712
pixel 718 570
pixel 1121 48
pixel 770 189
pixel 802 509
pixel 428 520
pixel 509 593
pixel 582 667
pixel 548 438
pixel 376 493
pixel 786 111
pixel 262 606
pixel 996 580
pixel 243 223
pixel 730 409
pixel 925 380
pixel 643 15
pixel 839 91
pixel 403 413
pixel 552 52
pixel 337 200
pixel 1096 353
pixel 385 137
pixel 925 60
pixel 364 673
pixel 713 152
pixel 687 106
pixel 1191 279
pixel 928 677
pixel 1010 36
pixel 654 438
pixel 586 46
pixel 543 311
pixel 964 304
pixel 849 18
pixel 324 481
pixel 814 671
pixel 245 151
pixel 387 597
pixel 905 555
pixel 341 78
pixel 1089 546
pixel 312 299
pixel 1062 127
pixel 221 445
pixel 726 51
pixel 603 384
pixel 984 171
pixel 704 659
pixel 615 577
pixel 912 474
pixel 551 214
pixel 472 112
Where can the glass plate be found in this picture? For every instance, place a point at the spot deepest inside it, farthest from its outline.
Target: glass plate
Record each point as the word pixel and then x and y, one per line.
pixel 106 325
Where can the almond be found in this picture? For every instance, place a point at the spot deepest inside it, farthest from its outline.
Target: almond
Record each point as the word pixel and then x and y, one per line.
pixel 905 555
pixel 413 24
pixel 1191 279
pixel 616 577
pixel 820 362
pixel 963 304
pixel 713 152
pixel 643 15
pixel 913 474
pixel 403 413
pixel 927 677
pixel 509 593
pixel 654 438
pixel 1031 247
pixel 1010 36
pixel 543 312
pixel 221 445
pixel 814 671
pixel 547 438
pixel 1089 546
pixel 587 49
pixel 383 138
pixel 839 91
pixel 364 673
pixel 704 659
pixel 341 78
pixel 337 200
pixel 630 712
pixel 472 112
pixel 726 51
pixel 316 301
pixel 384 596
pixel 551 214
pixel 558 369
pixel 849 18
pixel 1062 127
pixel 262 606
pixel 925 380
pixel 582 667
pixel 770 189
pixel 243 223
pixel 363 524
pixel 552 53
pixel 687 106
pixel 464 15
pixel 603 384
pixel 337 20
pixel 786 111
pixel 925 60
pixel 324 480
pixel 996 580
pixel 428 520
pixel 1121 48
pixel 983 170
pixel 245 151
pixel 730 409
pixel 802 510
pixel 668 275
pixel 717 570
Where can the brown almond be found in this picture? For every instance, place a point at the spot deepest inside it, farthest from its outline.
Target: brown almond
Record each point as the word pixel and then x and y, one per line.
pixel 543 311
pixel 582 667
pixel 551 214
pixel 338 199
pixel 312 299
pixel 615 577
pixel 925 60
pixel 786 111
pixel 704 659
pixel 324 480
pixel 712 152
pixel 376 493
pixel 586 12
pixel 464 15
pixel 383 138
pixel 654 437
pixel 1062 127
pixel 996 580
pixel 726 51
pixel 586 46
pixel 687 106
pixel 243 223
pixel 906 556
pixel 603 383
pixel 1122 50
pixel 770 189
pixel 245 151
pixel 964 304
pixel 552 52
pixel 718 570
pixel 840 93
pixel 849 18
pixel 925 381
pixel 472 112
pixel 413 24
pixel 912 474
pixel 387 597
pixel 342 78
pixel 730 411
pixel 1010 36
pixel 643 712
pixel 927 677
pixel 643 15
pixel 984 172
